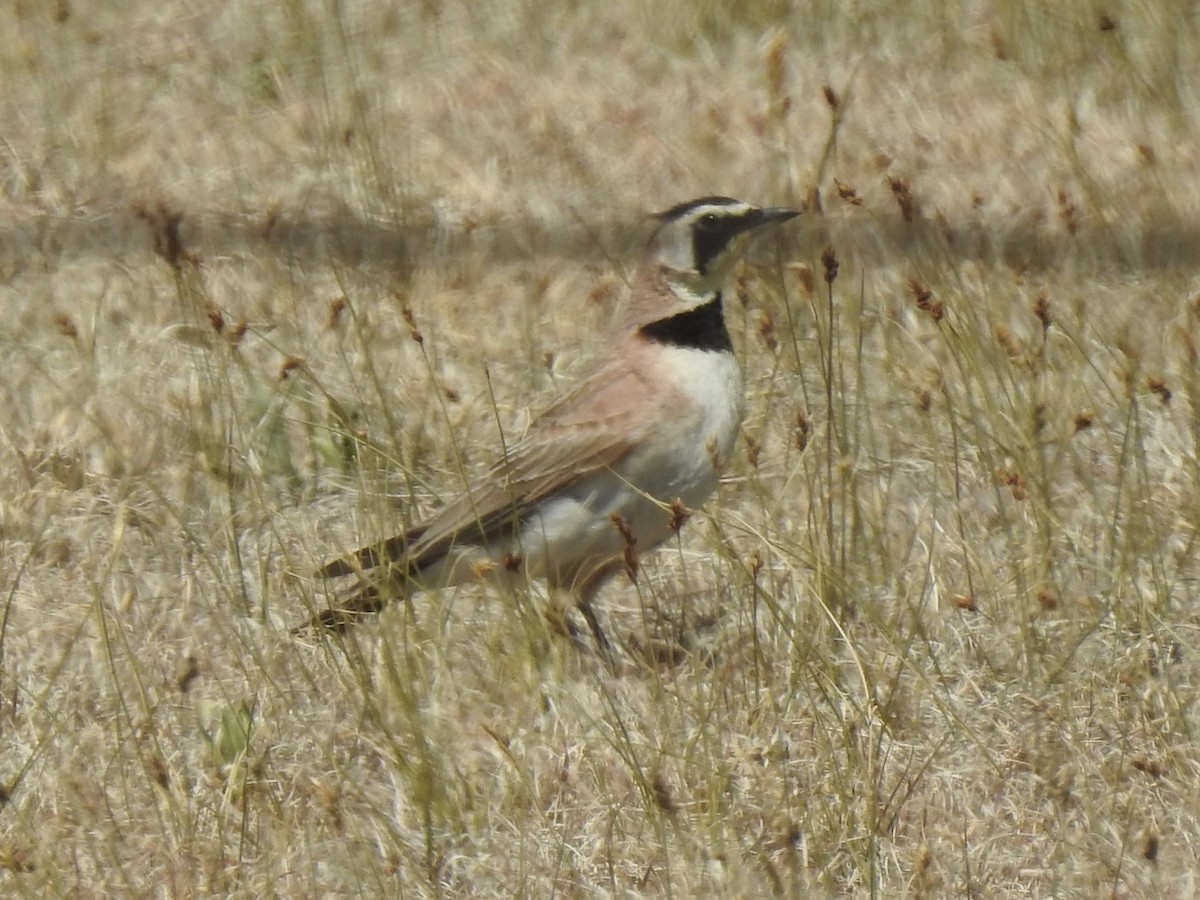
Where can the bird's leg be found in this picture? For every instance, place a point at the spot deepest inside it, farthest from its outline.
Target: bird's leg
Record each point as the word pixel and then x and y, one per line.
pixel 589 615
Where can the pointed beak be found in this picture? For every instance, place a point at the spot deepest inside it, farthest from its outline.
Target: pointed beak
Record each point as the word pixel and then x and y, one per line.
pixel 775 215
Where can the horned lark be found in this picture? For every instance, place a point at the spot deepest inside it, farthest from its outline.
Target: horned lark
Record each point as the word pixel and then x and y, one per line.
pixel 610 470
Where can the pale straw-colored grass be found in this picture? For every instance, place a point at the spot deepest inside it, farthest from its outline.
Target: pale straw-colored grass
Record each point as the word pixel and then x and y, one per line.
pixel 936 636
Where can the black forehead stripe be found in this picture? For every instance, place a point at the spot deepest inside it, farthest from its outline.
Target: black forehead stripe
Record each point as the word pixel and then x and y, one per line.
pixel 681 209
pixel 701 328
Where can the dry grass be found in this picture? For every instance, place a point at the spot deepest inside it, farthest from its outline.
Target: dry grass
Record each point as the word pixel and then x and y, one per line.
pixel 937 636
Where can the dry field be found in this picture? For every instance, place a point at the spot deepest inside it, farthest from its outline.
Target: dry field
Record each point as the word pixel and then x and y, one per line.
pixel 276 277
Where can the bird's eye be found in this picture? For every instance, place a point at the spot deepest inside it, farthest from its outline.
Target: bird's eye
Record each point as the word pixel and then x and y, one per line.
pixel 708 220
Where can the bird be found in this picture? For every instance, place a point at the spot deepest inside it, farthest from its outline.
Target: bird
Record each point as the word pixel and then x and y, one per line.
pixel 613 468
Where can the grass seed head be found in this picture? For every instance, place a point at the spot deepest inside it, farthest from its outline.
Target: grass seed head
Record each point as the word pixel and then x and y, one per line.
pixel 679 514
pixel 714 455
pixel 753 450
pixel 1150 848
pixel 909 209
pixel 1041 309
pixel 216 319
pixel 804 277
pixel 847 193
pixel 1005 339
pixel 1015 483
pixel 290 364
pixel 925 301
pixel 830 261
pixel 1158 386
pixel 410 320
pixel 188 674
pixel 801 430
pixel 630 555
pixel 337 306
pixel 65 325
pixel 1068 212
pixel 766 330
pixel 742 290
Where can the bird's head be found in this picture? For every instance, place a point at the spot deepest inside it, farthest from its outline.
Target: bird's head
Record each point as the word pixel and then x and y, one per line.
pixel 697 243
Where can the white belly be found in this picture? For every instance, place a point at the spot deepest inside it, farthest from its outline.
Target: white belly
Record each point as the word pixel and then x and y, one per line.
pixel 675 462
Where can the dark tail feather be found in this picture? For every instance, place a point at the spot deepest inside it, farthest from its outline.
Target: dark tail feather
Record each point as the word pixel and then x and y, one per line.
pixel 393 550
pixel 367 597
pixel 363 601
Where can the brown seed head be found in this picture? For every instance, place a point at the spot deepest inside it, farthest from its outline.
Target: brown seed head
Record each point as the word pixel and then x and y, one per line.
pixel 1158 386
pixel 65 325
pixel 1150 848
pixel 1015 482
pixel 743 290
pixel 999 46
pixel 847 193
pixel 630 555
pixel 238 332
pixel 679 515
pixel 802 430
pixel 766 330
pixel 1151 767
pixel 925 301
pixel 1006 340
pixel 413 331
pixel 188 674
pixel 904 198
pixel 804 277
pixel 337 306
pixel 291 364
pixel 714 455
pixel 1041 309
pixel 830 261
pixel 271 219
pixel 1068 212
pixel 753 450
pixel 216 319
pixel 157 769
